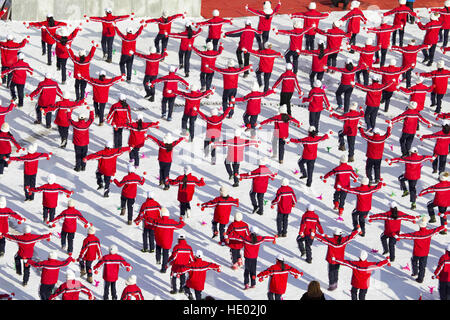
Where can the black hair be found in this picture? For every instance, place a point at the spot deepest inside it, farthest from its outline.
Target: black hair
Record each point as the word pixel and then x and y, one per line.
pixel 82 58
pixel 313 133
pixel 51 22
pixel 139 124
pixel 185 178
pixel 102 77
pixel 339 239
pixel 349 66
pixel 254 237
pixel 282 265
pixel 446 128
pixel 123 103
pixel 169 146
pixel 321 50
pixel 285 117
pixel 394 213
pixel 64 40
pixel 189 31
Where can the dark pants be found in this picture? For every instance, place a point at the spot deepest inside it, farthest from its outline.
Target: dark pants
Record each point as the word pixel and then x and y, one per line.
pixel 86 265
pixel 165 256
pixel 350 142
pixel 3 162
pixel 309 41
pixel 443 34
pixel 317 75
pixel 346 90
pixel 406 141
pixel 7 79
pixel 257 200
pixel 308 171
pixel 184 124
pixel 235 255
pixel 20 94
pixel 80 153
pixel 444 290
pixel 61 65
pixel 304 245
pixel 99 109
pixel 149 90
pixel 226 98
pixel 429 53
pixel 148 239
pixel 107 46
pixel 418 265
pixel 167 102
pixel 332 60
pixel 339 196
pixel 411 187
pixel 103 179
pixel 197 293
pixel 386 98
pixel 164 170
pixel 48 116
pixel 282 222
pixel 292 57
pixel 266 79
pixel 63 133
pixel 80 89
pixel 117 132
pixel 273 296
pixel 250 271
pixel 352 39
pixel 29 180
pixel 314 119
pixel 2 245
pixel 359 218
pixel 129 202
pixel 243 58
pixel 161 38
pixel 134 156
pixel 206 144
pixel 221 230
pixel 381 57
pixel 430 208
pixel 206 80
pixel 410 4
pixel 184 58
pixel 440 162
pixel 48 213
pixel 184 206
pixel 250 120
pixel 436 100
pixel 111 285
pixel 333 273
pixel 26 269
pixel 45 291
pixel 233 170
pixel 262 39
pixel 360 296
pixel 126 62
pixel 407 76
pixel 388 246
pixel 365 74
pixel 370 116
pixel 67 236
pixel 47 48
pixel 182 282
pixel 375 166
pixel 285 98
pixel 215 43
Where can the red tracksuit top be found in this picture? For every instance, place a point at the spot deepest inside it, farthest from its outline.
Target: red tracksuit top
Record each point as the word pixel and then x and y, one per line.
pixel 170 81
pixel 375 143
pixel 108 29
pixel 401 14
pixel 309 224
pixel 50 269
pixel 70 216
pixel 432 31
pixel 334 36
pixel 9 50
pixel 310 18
pixel 351 120
pixel 383 33
pixel 4 111
pixel 442 271
pixel 318 64
pixel 354 18
pixel 164 24
pixel 422 239
pixel 164 155
pixel 60 49
pixel 374 93
pixel 152 62
pixel 335 248
pixel 310 145
pixel 251 250
pixel 129 41
pixel 266 59
pixel 230 75
pixel 182 254
pixel 70 290
pixel 343 173
pixel 186 43
pixel 260 177
pixel 444 17
pixel 107 159
pixel 185 193
pixel 132 292
pixel 64 109
pixel 81 130
pixel 214 123
pixel 90 249
pixel 316 98
pixel 50 196
pixel 44 31
pixel 253 100
pixel 197 273
pixel 26 243
pixel 129 184
pixel 410 118
pixel 208 58
pixel 278 274
pixel 366 55
pixel 439 78
pixel 442 142
pixel 236 228
pixel 214 26
pixel 246 35
pixel 413 165
pixel 418 94
pixel 265 20
pixel 362 270
pixel 100 88
pixel 289 82
pixel 236 145
pixel 392 226
pixel 442 193
pixel 285 199
pixel 363 195
pixel 111 263
pixel 150 210
pixel 81 67
pixel 409 53
pixel 347 76
pixel 19 71
pixel 119 115
pixel 5 214
pixel 222 208
pixel 164 228
pixel 47 90
pixel 296 37
pixel 192 100
pixel 137 136
pixel 6 139
pixel 281 128
pixel 31 161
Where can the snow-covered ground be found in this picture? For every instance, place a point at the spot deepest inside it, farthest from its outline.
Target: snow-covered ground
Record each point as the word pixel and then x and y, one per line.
pixel 389 283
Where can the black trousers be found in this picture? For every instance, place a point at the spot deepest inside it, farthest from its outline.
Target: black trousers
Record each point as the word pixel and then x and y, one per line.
pixel 309 41
pixel 20 92
pixel 317 75
pixel 250 271
pixel 375 166
pixel 107 46
pixel 308 171
pixel 117 132
pixel 197 293
pixel 411 186
pixel 314 119
pixel 7 79
pixel 340 196
pixel 285 98
pixel 441 162
pixel 443 34
pixel 184 206
pixel 345 90
pixel 45 291
pixel 86 265
pixel 67 237
pixel 182 282
pixel 134 156
pixel 266 79
pixel 48 213
pixel 188 123
pixel 80 89
pixel 243 58
pixel 226 98
pixel 165 256
pixel 47 48
pixel 163 40
pixel 359 218
pixel 184 57
pixel 233 170
pixel 106 290
pixel 99 109
pixel 381 55
pixel 332 60
pixel 220 230
pixel 26 269
pixel 333 273
pixel 262 39
pixel 358 294
pixel 436 100
pixel 61 65
pixel 304 245
pixel 206 144
pixel 148 239
pixel 167 102
pixel 282 222
pixel 370 116
pixel 430 208
pixel 410 4
pixel 164 170
pixel 352 39
pixel 149 90
pixel 386 98
pixel 444 290
pixel 406 141
pixel 235 255
pixel 250 120
pixel 80 153
pixel 407 76
pixel 2 245
pixel 273 296
pixel 292 57
pixel 206 80
pixel 48 116
pixel 128 202
pixel 429 53
pixel 29 180
pixel 388 244
pixel 126 62
pixel 103 179
pixel 257 200
pixel 418 265
pixel 350 142
pixel 215 43
pixel 365 74
pixel 63 133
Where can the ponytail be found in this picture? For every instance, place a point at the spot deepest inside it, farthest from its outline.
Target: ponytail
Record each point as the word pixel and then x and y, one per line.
pixel 254 238
pixel 321 51
pixel 51 22
pixel 349 66
pixel 168 146
pixel 285 117
pixel 394 213
pixel 185 179
pixel 139 124
pixel 189 32
pixel 446 129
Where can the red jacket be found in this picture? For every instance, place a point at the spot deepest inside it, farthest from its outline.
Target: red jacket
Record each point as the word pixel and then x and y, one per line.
pixel 336 245
pixel 265 20
pixel 90 249
pixel 44 31
pixel 310 145
pixel 4 111
pixel 391 225
pixel 230 75
pixel 278 274
pixel 186 43
pixel 26 243
pixel 19 71
pixel 186 186
pixel 222 208
pixel 31 161
pixel 289 82
pixel 281 128
pixel 401 14
pixel 150 210
pixel 170 84
pixel 6 139
pixel 311 18
pixel 444 17
pixel 236 229
pixel 246 35
pixel 422 239
pixel 318 64
pixel 164 228
pixel 266 58
pixel 61 49
pixel 432 31
pixel 47 90
pixel 132 292
pixel 260 177
pixel 442 193
pixel 374 93
pixel 418 94
pixel 107 21
pixel 383 33
pixel 375 143
pixel 343 173
pixel 390 74
pixel 215 26
pixel 442 142
pixel 164 24
pixel 317 98
pixel 253 100
pixel 285 200
pixel 81 129
pixel 151 62
pixel 9 50
pixel 251 249
pixel 409 53
pixel 310 224
pixel 362 270
pixel 439 78
pixel 70 216
pixel 347 76
pixel 50 269
pixel 129 41
pixel 296 37
pixel 442 271
pixel 192 100
pixel 137 136
pixel 5 214
pixel 50 196
pixel 111 264
pixel 107 159
pixel 236 145
pixel 366 55
pixel 197 273
pixel 334 36
pixel 164 154
pixel 81 68
pixel 410 118
pixel 70 290
pixel 64 109
pixel 119 115
pixel 354 18
pixel 363 195
pixel 208 58
pixel 351 120
pixel 413 165
pixel 100 88
pixel 214 123
pixel 182 255
pixel 129 184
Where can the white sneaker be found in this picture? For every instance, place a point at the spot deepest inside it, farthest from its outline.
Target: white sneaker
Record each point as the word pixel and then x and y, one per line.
pixel 188 213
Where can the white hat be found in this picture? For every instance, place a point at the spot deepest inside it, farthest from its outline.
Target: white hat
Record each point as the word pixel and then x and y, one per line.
pixel 349 61
pixel 164 212
pixel 369 41
pixel 363 255
pixel 393 204
pixel 91 230
pixel 267 45
pixel 32 148
pixel 267 4
pixel 268 10
pixel 447 3
pixel 131 280
pixel 214 112
pixel 108 10
pixel 2 202
pixel 353 106
pixel 413 150
pixel 109 144
pixel 422 222
pixel 150 194
pixel 223 191
pixel 262 161
pixel 209 46
pixel 419 79
pixel 187 169
pixel 131 169
pixel 48 75
pixel 231 63
pixel 194 87
pixel 82 52
pixel 375 77
pixel 248 22
pixel 254 229
pixel 49 15
pixel 312 6
pixel 297 24
pixel 402 2
pixel 434 16
pixel 172 68
pixel 311 129
pixel 441 64
pixel 337 231
pixel 285 182
pixel 344 159
pixel 280 257
pixel 255 86
pixel 51 178
pixel 152 49
pixel 168 138
pixel 27 229
pixel 53 255
pixel 317 83
pixel 412 105
pixel 376 131
pixel 70 275
pixel 445 122
pixel 102 73
pixel 71 203
pixel 188 24
pixel 164 13
pixel 9 37
pixel 5 127
pixel 444 176
pixel 365 181
pixel 238 216
pixel 282 109
pixel 311 207
pixel 289 66
pixel 354 4
pixel 122 97
pixel 140 116
pixel 412 41
pixel 237 132
pixel 215 13
pixel 130 30
pixel 337 23
pixel 113 249
pixel 199 253
pixel 21 56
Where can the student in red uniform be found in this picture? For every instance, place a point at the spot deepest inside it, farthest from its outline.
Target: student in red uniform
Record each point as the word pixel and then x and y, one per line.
pixel 383 33
pixel 366 55
pixel 309 226
pixel 409 57
pixel 239 227
pixel 417 92
pixel 215 25
pixel 111 263
pixel 402 14
pixel 442 272
pixel 361 272
pixel 71 289
pixel 317 99
pixel 346 85
pixel 136 139
pixel 150 210
pixel 131 291
pixel 9 50
pixel 392 223
pixel 208 58
pixel 441 147
pixel 164 26
pixel 5 214
pixel 431 36
pixel 285 200
pixel 354 18
pixel 441 198
pixel 334 35
pixel 129 190
pixel 222 205
pixel 6 140
pixel 289 84
pixel 440 81
pixel 265 19
pixel 421 248
pixel 19 71
pixel 118 116
pixel 89 252
pixel 267 58
pixel 81 65
pixel 81 137
pixel 182 254
pixel 128 49
pixel 278 274
pixel 152 61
